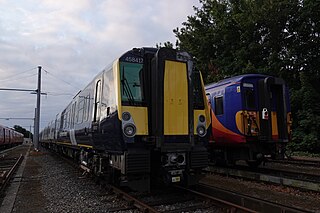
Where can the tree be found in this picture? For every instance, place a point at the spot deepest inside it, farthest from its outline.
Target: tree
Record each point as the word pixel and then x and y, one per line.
pixel 25 132
pixel 281 38
pixel 167 44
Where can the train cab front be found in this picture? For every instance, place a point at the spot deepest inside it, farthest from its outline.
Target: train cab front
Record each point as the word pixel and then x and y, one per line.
pixel 164 117
pixel 266 118
pixel 179 118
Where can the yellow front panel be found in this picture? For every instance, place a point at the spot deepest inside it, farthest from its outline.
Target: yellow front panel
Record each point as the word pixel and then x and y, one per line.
pixel 175 98
pixel 206 105
pixel 139 116
pixel 274 123
pixel 116 74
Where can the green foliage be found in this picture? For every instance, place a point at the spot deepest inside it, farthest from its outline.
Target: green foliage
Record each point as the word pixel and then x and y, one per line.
pixel 280 38
pixel 167 44
pixel 307 102
pixel 25 132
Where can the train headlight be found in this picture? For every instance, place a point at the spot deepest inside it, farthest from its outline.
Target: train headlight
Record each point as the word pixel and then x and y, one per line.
pixel 201 130
pixel 129 130
pixel 180 159
pixel 174 159
pixel 202 119
pixel 126 116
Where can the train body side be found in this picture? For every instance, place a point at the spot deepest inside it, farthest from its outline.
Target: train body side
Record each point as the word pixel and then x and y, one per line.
pixel 9 137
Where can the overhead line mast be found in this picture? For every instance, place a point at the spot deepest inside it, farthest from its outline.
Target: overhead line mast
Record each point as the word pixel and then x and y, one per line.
pixel 37 110
pixel 37 117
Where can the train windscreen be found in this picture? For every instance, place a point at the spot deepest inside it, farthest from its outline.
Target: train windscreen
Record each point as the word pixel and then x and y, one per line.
pixel 131 83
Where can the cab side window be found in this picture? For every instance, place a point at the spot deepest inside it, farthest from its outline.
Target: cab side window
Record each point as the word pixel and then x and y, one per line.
pixel 218 103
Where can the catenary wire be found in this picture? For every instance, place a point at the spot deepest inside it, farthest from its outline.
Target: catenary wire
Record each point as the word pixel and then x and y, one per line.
pixel 13 76
pixel 47 72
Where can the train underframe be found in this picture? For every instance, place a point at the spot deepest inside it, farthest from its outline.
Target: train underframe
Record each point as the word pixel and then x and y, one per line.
pixel 253 153
pixel 138 169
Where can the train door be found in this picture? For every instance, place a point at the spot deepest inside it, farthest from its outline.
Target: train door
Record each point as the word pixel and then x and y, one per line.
pixel 279 113
pixel 171 101
pixel 273 110
pixel 175 98
pixel 97 103
pixel 249 118
pixel 57 126
pixel 1 136
pixel 72 120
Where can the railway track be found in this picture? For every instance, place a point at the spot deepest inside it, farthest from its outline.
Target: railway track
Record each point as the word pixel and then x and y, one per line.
pixel 7 168
pixel 10 159
pixel 165 199
pixel 294 179
pixel 201 198
pixel 176 199
pixel 254 204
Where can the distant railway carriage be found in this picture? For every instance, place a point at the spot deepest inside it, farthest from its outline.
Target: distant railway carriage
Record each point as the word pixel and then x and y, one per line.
pixel 9 137
pixel 142 118
pixel 251 118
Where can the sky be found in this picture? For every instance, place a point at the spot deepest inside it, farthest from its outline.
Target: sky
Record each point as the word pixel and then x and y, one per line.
pixel 72 41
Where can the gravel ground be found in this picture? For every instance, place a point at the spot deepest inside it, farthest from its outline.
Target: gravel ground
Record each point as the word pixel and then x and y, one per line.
pixel 51 185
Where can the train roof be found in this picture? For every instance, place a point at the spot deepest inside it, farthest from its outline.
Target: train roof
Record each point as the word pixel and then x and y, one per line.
pixel 137 52
pixel 9 128
pixel 234 79
pixel 6 127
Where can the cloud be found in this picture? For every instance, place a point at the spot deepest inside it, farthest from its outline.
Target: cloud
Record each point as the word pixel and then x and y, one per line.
pixel 73 41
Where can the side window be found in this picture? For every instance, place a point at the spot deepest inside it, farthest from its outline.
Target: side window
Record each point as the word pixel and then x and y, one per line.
pixel 87 108
pixel 97 101
pixel 198 102
pixel 80 109
pixel 249 99
pixel 67 119
pixel 218 103
pixel 72 114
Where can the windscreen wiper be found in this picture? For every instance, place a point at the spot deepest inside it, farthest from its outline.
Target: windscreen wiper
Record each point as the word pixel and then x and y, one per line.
pixel 126 88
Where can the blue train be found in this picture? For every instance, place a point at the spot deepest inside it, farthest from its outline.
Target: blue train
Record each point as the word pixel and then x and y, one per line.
pixel 145 117
pixel 251 118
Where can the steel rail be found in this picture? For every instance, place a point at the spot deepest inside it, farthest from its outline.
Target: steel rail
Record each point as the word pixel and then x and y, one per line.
pixel 9 174
pixel 247 202
pixel 220 202
pixel 135 202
